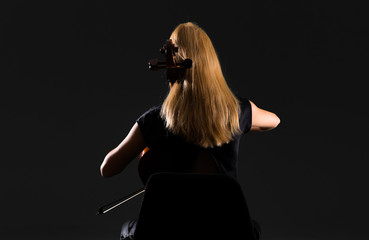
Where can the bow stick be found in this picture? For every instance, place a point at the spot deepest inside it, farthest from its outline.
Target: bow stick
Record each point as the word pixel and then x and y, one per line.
pixel 107 207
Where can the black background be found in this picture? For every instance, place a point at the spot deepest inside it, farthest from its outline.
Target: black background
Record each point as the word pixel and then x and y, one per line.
pixel 74 79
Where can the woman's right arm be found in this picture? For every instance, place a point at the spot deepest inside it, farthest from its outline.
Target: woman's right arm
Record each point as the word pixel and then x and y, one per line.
pixel 118 158
pixel 262 120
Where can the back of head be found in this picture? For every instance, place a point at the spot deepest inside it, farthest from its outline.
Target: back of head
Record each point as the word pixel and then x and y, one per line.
pixel 200 107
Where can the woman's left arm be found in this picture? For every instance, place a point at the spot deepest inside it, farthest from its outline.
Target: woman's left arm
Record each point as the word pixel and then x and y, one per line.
pixel 118 158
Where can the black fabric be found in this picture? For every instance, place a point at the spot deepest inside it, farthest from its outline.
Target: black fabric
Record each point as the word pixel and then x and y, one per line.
pixel 129 229
pixel 178 155
pixel 192 206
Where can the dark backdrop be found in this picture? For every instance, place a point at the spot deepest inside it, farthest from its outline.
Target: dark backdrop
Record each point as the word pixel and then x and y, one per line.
pixel 74 79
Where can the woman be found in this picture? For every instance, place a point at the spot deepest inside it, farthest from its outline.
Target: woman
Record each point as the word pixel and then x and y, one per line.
pixel 200 122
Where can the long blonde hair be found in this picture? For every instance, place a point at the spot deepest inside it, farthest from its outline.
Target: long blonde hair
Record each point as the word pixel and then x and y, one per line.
pixel 201 107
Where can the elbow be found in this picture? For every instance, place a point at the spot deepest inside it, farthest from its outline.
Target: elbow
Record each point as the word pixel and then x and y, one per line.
pixel 102 171
pixel 106 173
pixel 105 169
pixel 270 126
pixel 277 121
pixel 112 165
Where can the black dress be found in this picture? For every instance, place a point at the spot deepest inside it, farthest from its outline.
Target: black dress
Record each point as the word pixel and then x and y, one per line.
pixel 180 156
pixel 158 138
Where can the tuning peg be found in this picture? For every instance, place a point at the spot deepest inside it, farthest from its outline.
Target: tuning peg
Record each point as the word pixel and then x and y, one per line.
pixel 153 64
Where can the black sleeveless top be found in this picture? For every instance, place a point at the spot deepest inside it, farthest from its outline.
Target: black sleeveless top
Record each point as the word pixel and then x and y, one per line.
pixel 176 155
